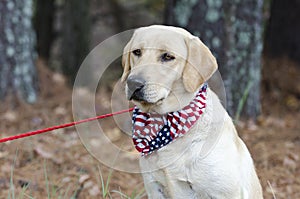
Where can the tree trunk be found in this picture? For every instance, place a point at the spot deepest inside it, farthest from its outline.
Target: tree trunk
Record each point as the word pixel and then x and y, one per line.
pixel 232 30
pixel 17 56
pixel 75 39
pixel 283 30
pixel 118 14
pixel 43 23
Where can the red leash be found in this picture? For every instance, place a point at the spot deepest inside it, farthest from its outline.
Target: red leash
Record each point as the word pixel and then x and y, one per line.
pixel 31 133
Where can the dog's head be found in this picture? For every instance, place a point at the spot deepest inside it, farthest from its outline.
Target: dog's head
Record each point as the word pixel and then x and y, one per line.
pixel 162 61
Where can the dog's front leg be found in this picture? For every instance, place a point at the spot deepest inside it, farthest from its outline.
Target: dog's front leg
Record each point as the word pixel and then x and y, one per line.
pixel 154 189
pixel 182 189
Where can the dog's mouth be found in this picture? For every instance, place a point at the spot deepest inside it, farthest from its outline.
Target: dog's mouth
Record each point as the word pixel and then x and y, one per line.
pixel 148 106
pixel 147 103
pixel 147 96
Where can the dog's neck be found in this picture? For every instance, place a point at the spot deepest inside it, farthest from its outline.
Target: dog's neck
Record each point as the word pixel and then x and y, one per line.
pixel 153 131
pixel 177 99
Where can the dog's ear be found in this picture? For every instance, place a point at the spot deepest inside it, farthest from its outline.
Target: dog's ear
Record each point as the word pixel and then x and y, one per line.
pixel 126 61
pixel 200 64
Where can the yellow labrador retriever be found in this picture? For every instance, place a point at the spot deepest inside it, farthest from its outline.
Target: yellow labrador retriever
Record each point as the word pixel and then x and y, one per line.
pixel 189 145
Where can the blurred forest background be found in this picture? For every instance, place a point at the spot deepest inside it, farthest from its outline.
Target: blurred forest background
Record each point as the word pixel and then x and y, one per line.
pixel 44 42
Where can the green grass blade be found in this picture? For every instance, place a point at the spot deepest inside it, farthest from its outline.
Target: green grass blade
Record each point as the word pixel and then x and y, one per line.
pixel 46 180
pixel 122 195
pixel 105 185
pixel 243 100
pixel 11 194
pixel 102 181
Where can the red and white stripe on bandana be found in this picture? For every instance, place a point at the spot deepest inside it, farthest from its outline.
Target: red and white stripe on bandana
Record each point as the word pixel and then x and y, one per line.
pixel 153 131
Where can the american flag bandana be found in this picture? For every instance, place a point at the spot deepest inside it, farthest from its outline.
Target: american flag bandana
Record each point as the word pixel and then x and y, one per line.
pixel 153 131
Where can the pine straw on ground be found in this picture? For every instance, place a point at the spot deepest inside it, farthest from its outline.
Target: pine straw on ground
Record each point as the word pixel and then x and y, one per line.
pixel 59 163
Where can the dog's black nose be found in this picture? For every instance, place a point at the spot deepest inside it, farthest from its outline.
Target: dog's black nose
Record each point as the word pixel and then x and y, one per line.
pixel 135 86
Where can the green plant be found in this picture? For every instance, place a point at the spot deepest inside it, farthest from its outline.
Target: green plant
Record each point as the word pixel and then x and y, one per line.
pixel 134 194
pixel 106 193
pixel 242 101
pixel 54 191
pixel 105 185
pixel 23 194
pixel 46 180
pixel 11 194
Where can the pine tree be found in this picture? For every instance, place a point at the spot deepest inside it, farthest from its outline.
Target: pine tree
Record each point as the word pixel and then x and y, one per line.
pixel 233 32
pixel 18 76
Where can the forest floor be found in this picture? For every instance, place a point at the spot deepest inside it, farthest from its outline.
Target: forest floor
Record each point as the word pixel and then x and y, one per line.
pixel 57 165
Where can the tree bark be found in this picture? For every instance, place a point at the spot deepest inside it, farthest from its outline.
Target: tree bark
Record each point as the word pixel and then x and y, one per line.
pixel 43 23
pixel 17 55
pixel 75 39
pixel 232 30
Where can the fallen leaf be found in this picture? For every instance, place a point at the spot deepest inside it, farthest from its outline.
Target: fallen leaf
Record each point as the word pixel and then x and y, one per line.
pixel 114 134
pixel 88 184
pixel 60 110
pixel 10 116
pixel 66 179
pixel 47 154
pixel 94 191
pixel 3 154
pixel 83 178
pixel 42 152
pixel 290 162
pixel 58 78
pixel 36 121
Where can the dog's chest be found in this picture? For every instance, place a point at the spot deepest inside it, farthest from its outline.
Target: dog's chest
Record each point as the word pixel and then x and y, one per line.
pixel 177 161
pixel 181 171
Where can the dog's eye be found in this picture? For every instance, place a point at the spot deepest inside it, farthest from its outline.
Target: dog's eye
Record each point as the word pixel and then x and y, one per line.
pixel 137 52
pixel 167 57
